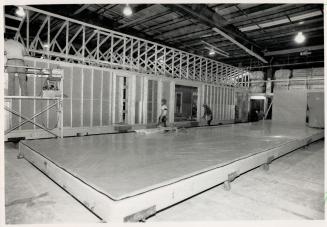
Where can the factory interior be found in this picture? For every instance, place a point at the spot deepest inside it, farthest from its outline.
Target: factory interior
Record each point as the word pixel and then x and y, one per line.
pixel 154 113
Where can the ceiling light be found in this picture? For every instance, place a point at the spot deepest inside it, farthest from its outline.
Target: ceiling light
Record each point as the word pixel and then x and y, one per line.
pixel 20 12
pixel 299 38
pixel 212 52
pixel 46 45
pixel 258 97
pixel 306 52
pixel 301 22
pixel 127 11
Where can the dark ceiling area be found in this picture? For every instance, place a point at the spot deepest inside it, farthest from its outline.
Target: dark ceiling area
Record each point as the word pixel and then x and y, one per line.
pixel 252 31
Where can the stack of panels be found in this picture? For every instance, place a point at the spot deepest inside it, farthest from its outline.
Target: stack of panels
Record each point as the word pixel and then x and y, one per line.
pixel 317 73
pixel 257 87
pixel 282 74
pixel 316 109
pixel 299 76
pixel 289 106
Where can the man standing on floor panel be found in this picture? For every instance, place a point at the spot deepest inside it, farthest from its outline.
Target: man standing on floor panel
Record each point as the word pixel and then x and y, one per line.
pixel 163 114
pixel 207 114
pixel 15 52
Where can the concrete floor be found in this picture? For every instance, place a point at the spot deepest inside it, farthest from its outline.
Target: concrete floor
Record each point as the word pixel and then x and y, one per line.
pixel 292 189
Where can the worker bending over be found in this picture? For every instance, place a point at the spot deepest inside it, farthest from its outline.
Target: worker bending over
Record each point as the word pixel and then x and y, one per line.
pixel 207 114
pixel 163 114
pixel 15 52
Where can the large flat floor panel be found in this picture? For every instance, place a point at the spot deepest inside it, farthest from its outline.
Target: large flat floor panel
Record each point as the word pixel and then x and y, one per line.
pixel 126 165
pixel 257 195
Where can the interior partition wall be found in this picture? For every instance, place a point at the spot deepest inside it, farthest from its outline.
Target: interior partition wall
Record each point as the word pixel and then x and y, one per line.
pixel 97 98
pixel 112 78
pixel 221 101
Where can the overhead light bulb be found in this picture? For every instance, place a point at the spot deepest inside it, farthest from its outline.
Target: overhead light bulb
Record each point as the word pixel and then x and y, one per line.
pixel 127 11
pixel 257 97
pixel 212 52
pixel 299 38
pixel 20 12
pixel 46 45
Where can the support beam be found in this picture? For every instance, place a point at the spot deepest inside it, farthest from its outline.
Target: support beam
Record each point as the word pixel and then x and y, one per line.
pixel 218 50
pixel 294 50
pixel 247 50
pixel 81 9
pixel 220 25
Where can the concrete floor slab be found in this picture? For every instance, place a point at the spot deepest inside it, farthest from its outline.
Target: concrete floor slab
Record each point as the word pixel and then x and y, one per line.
pixel 292 189
pixel 31 197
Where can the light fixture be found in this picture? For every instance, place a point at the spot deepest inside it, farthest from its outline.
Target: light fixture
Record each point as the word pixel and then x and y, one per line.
pixel 212 52
pixel 306 52
pixel 299 38
pixel 258 97
pixel 127 11
pixel 215 50
pixel 20 12
pixel 46 45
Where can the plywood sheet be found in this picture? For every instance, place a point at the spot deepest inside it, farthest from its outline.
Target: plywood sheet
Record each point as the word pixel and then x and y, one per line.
pixel 105 98
pixel 97 87
pixel 87 97
pixel 289 106
pixel 67 84
pixel 76 96
pixel 316 109
pixel 122 165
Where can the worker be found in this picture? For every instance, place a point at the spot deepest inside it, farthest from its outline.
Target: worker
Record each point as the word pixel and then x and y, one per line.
pixel 163 114
pixel 207 114
pixel 15 52
pixel 194 111
pixel 260 115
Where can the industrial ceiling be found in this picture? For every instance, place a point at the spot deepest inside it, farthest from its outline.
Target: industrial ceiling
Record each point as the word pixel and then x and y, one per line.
pixel 247 35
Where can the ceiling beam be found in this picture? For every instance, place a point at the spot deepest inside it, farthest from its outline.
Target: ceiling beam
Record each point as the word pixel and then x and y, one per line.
pixel 272 14
pixel 143 19
pixel 83 7
pixel 294 50
pixel 247 50
pixel 219 51
pixel 218 24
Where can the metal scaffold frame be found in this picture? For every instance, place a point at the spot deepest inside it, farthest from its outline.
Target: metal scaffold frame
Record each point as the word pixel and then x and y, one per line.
pixel 33 72
pixel 74 41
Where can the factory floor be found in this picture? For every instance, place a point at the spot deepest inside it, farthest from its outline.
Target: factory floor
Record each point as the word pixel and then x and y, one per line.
pixel 292 189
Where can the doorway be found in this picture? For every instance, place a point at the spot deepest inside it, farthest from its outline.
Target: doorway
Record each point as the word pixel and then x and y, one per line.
pixel 256 109
pixel 186 98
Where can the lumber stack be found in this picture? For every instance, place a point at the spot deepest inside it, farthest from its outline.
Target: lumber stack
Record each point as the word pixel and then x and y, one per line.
pixel 257 84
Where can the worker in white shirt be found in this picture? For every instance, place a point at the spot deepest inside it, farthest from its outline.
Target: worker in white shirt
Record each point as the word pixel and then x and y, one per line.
pixel 15 53
pixel 163 114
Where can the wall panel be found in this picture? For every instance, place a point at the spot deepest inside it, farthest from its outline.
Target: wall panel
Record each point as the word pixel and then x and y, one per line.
pixel 105 98
pixel 97 102
pixel 93 97
pixel 68 83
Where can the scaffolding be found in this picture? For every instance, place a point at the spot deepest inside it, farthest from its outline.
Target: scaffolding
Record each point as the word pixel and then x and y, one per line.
pixel 52 90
